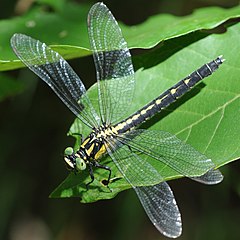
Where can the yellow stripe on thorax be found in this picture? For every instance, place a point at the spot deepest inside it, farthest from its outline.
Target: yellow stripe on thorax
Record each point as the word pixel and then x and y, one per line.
pixel 89 150
pixel 101 151
pixel 85 142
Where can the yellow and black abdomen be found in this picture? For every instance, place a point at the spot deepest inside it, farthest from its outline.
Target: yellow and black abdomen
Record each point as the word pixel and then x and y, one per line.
pixel 168 97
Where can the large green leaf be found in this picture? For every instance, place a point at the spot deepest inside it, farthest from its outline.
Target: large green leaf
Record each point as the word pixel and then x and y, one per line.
pixel 166 26
pixel 207 117
pixel 67 26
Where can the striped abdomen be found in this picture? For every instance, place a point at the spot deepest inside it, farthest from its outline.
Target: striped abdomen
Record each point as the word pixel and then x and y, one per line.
pixel 169 96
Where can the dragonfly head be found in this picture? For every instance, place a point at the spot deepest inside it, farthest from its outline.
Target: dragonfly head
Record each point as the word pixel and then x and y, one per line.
pixel 73 160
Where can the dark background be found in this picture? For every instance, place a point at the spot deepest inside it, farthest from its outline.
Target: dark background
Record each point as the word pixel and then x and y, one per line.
pixel 33 127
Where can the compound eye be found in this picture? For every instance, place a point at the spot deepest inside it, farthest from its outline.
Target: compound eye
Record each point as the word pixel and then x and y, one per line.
pixel 80 164
pixel 68 151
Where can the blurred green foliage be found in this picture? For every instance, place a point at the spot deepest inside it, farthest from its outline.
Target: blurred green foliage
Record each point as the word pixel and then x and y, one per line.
pixel 34 122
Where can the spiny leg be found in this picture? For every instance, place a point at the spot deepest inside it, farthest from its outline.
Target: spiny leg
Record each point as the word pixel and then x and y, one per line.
pixel 91 175
pixel 96 164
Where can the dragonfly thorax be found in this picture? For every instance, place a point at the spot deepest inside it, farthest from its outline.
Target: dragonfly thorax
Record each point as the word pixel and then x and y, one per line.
pixel 91 149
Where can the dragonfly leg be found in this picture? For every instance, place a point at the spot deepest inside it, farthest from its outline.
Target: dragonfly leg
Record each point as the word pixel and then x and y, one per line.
pixel 129 148
pixel 96 164
pixel 91 175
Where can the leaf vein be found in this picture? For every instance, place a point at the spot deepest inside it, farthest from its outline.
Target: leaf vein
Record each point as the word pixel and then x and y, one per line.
pixel 208 115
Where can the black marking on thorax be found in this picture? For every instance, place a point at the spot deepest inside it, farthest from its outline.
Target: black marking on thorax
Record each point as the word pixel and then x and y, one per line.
pixel 94 146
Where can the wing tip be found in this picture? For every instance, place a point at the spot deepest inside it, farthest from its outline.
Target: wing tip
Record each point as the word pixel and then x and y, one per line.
pixel 172 233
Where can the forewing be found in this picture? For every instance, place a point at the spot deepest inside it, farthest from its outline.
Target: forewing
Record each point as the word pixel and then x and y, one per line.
pixel 113 63
pixel 58 74
pixel 157 199
pixel 173 152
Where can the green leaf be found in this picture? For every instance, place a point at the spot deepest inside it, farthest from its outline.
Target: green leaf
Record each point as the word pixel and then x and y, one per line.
pixel 165 26
pixel 67 26
pixel 75 185
pixel 207 117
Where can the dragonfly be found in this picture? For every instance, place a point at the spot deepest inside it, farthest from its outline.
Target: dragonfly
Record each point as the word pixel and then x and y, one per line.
pixel 122 139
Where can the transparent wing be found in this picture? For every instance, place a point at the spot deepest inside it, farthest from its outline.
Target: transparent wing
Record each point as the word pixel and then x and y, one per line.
pixel 211 177
pixel 58 74
pixel 113 63
pixel 173 152
pixel 161 207
pixel 158 199
pixel 132 164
